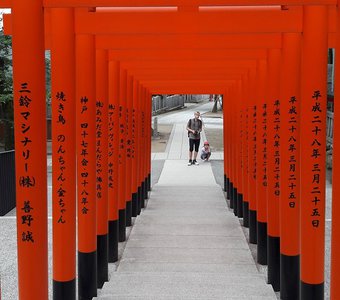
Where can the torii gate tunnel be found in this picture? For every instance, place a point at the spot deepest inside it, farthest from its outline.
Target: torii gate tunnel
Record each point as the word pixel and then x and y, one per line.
pixel 268 58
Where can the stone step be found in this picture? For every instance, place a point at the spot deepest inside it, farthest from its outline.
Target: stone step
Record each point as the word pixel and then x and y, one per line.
pixel 185 242
pixel 158 186
pixel 170 191
pixel 185 286
pixel 233 229
pixel 184 204
pixel 138 266
pixel 187 245
pixel 222 219
pixel 193 210
pixel 179 255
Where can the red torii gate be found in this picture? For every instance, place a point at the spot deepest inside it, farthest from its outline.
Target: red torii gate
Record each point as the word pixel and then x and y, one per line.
pixel 169 3
pixel 150 83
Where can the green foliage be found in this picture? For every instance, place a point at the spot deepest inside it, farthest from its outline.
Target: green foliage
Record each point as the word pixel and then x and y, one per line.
pixel 6 83
pixel 6 93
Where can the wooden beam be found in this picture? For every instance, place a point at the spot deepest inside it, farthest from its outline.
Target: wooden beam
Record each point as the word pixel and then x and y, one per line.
pixel 209 22
pixel 188 87
pixel 189 64
pixel 187 76
pixel 165 3
pixel 188 90
pixel 185 54
pixel 190 41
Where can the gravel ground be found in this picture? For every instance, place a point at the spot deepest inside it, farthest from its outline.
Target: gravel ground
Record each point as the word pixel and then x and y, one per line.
pixel 159 142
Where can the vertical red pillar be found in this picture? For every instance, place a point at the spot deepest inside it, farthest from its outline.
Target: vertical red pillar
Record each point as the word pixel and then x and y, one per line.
pixel 128 130
pixel 63 153
pixel 233 123
pixel 230 142
pixel 245 158
pixel 238 153
pixel 273 170
pixel 231 149
pixel 122 156
pixel 134 149
pixel 290 101
pixel 102 164
pixel 261 163
pixel 148 154
pixel 313 150
pixel 243 145
pixel 144 144
pixel 86 165
pixel 143 148
pixel 252 119
pixel 30 155
pixel 235 120
pixel 149 143
pixel 113 153
pixel 228 149
pixel 335 242
pixel 225 151
pixel 139 148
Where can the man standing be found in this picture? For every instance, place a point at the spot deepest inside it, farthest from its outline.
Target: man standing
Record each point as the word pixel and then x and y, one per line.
pixel 194 128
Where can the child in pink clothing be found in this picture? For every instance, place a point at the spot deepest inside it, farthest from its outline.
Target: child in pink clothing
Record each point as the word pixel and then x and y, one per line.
pixel 205 152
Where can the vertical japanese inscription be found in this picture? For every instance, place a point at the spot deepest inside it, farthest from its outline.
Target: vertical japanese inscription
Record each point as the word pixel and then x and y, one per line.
pixel 277 157
pixel 99 151
pixel 61 153
pixel 133 134
pixel 121 134
pixel 143 124
pixel 111 157
pixel 316 149
pixel 264 145
pixel 293 151
pixel 254 142
pixel 84 171
pixel 128 130
pixel 26 181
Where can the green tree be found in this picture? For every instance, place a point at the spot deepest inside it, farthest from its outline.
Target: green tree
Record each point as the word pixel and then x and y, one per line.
pixel 6 93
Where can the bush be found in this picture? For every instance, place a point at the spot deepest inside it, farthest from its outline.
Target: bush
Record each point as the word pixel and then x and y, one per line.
pixel 6 94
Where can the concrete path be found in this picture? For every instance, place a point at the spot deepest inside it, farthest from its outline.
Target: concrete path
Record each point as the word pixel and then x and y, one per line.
pixel 186 244
pixel 177 147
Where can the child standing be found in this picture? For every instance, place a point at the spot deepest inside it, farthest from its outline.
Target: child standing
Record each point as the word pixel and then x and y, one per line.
pixel 205 152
